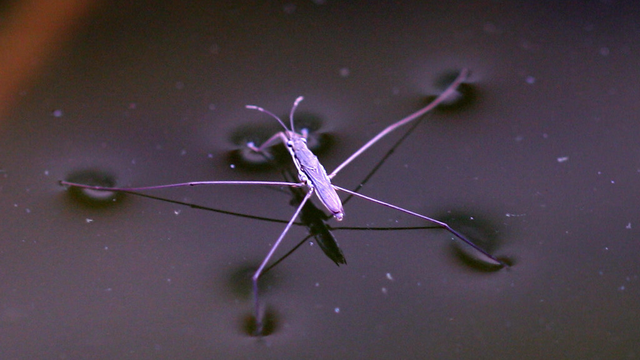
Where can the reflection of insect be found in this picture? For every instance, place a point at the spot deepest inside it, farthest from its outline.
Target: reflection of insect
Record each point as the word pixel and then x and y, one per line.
pixel 313 176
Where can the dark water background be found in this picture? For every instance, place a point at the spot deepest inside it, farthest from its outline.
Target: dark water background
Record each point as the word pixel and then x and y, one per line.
pixel 545 158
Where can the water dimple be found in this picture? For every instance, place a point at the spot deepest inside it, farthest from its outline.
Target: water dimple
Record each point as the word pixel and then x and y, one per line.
pixel 89 197
pixel 270 323
pixel 247 159
pixel 464 96
pixel 483 234
pixel 317 141
pixel 275 156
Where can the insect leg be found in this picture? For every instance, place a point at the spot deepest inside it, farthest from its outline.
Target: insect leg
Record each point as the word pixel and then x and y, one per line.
pixel 437 222
pixel 193 183
pixel 280 136
pixel 444 95
pixel 258 272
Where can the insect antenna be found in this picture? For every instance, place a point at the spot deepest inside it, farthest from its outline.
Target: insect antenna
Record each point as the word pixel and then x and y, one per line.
pixel 293 109
pixel 253 107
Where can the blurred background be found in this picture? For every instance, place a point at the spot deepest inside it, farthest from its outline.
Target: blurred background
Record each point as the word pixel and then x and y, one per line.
pixel 541 166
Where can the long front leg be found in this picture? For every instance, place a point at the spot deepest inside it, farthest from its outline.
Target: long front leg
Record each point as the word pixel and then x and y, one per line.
pixel 258 272
pixel 437 222
pixel 270 142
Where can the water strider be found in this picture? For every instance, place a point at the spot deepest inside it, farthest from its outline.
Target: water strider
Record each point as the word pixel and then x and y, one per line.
pixel 313 176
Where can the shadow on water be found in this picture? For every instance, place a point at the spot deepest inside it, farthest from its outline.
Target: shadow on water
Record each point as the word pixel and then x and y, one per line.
pixel 483 233
pixel 270 323
pixel 94 199
pixel 466 95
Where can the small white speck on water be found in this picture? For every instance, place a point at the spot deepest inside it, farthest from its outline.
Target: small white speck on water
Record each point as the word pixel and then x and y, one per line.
pixel 46 173
pixel 389 276
pixel 337 310
pixel 628 226
pixel 530 80
pixel 177 212
pixel 233 166
pixel 57 113
pixel 384 290
pixel 563 159
pixel 27 210
pixel 87 220
pixel 344 72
